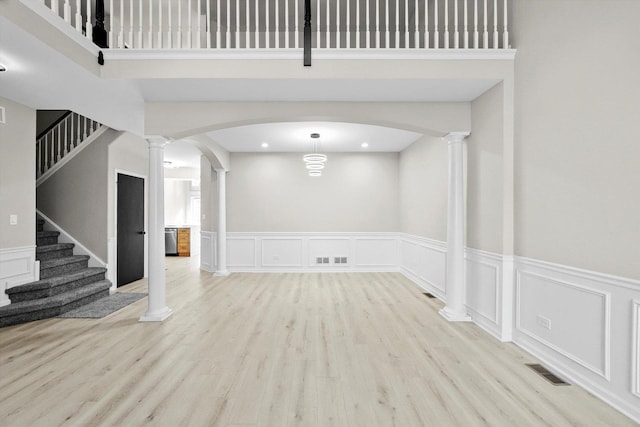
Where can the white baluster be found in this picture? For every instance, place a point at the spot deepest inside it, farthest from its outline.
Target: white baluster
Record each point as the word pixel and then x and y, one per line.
pixel 247 19
pixel 446 24
pixel 111 15
pixel 86 130
pixel 199 32
pixel 358 24
pixel 88 25
pixel 368 33
pixel 348 26
pixel 466 25
pixel 55 6
pixel 485 34
pixel 426 25
pixel 38 160
pixel 397 23
pixel 338 41
pixel 229 21
pixel 78 17
pixel 377 37
pixel 456 33
pixel 257 19
pixel 436 33
pixel 131 40
pixel 66 137
pixel 267 15
pixel 416 32
pixel 159 43
pixel 328 34
pixel 150 34
pixel 208 24
pixel 277 17
pixel 189 26
pixel 46 152
pixel 296 23
pixel 218 26
pixel 505 34
pixel 318 26
pixel 121 35
pixel 476 34
pixel 57 142
pixel 179 29
pixel 237 40
pixel 406 24
pixel 387 34
pixel 170 26
pixel 140 38
pixel 67 11
pixel 495 24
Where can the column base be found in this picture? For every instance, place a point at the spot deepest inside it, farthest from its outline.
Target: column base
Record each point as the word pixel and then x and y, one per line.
pixel 453 316
pixel 221 273
pixel 157 316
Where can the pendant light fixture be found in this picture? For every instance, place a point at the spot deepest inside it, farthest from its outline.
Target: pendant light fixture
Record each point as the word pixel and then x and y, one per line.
pixel 315 161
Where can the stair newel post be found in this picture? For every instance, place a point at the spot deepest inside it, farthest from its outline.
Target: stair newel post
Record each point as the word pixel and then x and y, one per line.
pixel 307 33
pixel 157 310
pixel 99 31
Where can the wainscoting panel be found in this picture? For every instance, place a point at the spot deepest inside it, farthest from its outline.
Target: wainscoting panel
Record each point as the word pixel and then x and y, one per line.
pixel 376 252
pixel 282 252
pixel 17 267
pixel 636 349
pixel 568 318
pixel 483 292
pixel 329 248
pixel 581 324
pixel 208 251
pixel 241 252
pixel 424 262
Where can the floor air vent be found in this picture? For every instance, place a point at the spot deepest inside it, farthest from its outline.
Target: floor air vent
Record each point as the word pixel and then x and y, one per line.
pixel 546 374
pixel 429 295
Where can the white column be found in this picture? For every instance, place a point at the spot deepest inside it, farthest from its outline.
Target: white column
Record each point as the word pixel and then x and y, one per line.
pixel 157 310
pixel 221 264
pixel 455 310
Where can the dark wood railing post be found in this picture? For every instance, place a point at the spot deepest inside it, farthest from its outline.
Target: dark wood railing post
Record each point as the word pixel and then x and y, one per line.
pixel 307 33
pixel 99 32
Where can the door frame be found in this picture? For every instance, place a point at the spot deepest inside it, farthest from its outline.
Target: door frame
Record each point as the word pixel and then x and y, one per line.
pixel 113 273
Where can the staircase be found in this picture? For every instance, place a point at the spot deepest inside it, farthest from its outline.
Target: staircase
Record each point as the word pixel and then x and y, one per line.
pixel 66 282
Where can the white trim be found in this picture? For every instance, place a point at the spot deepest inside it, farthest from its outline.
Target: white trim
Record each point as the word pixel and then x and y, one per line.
pixel 17 267
pixel 51 17
pixel 318 54
pixel 94 260
pixel 604 371
pixel 608 279
pixel 635 356
pixel 66 159
pixel 208 246
pixel 113 241
pixel 255 251
pixel 300 240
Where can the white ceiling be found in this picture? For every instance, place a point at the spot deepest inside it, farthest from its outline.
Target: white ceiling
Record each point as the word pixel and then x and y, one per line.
pixel 295 137
pixel 182 154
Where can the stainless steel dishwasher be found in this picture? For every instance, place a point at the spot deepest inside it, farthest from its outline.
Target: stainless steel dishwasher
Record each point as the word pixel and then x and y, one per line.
pixel 171 241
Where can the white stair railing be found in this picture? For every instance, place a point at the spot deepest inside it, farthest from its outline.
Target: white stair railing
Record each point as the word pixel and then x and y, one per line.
pixel 268 24
pixel 58 143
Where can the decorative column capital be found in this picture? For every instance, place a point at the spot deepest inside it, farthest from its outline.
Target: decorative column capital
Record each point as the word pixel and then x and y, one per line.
pixel 220 170
pixel 156 141
pixel 453 137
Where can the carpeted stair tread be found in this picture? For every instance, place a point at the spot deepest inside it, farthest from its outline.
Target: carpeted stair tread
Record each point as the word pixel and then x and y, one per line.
pixel 57 280
pixel 50 263
pixel 47 233
pixel 60 300
pixel 53 248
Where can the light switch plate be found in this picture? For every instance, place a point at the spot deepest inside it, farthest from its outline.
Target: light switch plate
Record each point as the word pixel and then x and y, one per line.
pixel 13 219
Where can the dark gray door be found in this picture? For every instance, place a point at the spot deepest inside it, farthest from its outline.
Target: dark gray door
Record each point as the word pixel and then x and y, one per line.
pixel 130 229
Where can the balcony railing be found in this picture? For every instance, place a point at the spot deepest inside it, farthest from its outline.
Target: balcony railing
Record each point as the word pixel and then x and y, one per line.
pixel 269 24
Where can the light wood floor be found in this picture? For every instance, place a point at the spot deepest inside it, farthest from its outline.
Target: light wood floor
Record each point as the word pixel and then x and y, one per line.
pixel 279 350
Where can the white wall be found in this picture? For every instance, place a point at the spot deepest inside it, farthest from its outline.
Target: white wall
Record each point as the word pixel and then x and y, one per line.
pixel 423 189
pixel 271 192
pixel 17 197
pixel 577 133
pixel 177 195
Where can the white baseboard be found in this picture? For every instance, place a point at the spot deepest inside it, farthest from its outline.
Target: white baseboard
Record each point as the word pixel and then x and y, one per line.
pixel 17 267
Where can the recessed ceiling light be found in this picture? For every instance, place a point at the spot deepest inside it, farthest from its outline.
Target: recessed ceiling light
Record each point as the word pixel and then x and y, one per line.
pixel 365 144
pixel 265 145
pixel 2 68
